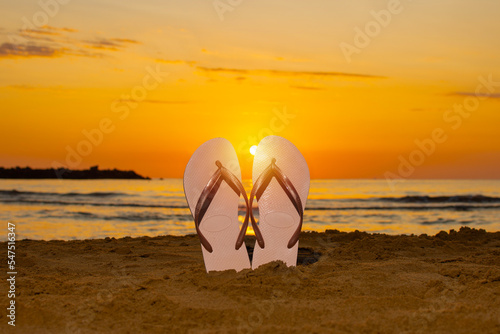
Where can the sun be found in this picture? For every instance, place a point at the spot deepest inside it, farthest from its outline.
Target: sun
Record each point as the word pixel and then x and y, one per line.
pixel 253 149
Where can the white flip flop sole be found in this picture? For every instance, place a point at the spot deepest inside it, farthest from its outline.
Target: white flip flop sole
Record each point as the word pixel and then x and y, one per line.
pixel 219 225
pixel 278 217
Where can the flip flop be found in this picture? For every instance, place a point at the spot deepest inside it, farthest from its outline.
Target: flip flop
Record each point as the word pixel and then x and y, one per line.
pixel 280 185
pixel 212 185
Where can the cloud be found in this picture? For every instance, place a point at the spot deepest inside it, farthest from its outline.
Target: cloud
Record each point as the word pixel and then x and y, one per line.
pixel 223 70
pixel 34 38
pixel 10 50
pixel 208 52
pixel 103 45
pixel 491 96
pixel 285 73
pixel 111 44
pixel 39 31
pixel 125 40
pixel 64 29
pixel 45 33
pixel 53 42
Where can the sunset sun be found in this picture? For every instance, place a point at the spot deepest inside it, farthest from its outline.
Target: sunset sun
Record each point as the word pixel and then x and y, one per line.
pixel 253 149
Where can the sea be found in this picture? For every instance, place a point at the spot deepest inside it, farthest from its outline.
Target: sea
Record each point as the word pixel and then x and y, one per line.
pixel 85 209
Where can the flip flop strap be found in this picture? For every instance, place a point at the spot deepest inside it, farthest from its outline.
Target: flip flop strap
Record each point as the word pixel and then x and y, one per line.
pixel 261 185
pixel 208 194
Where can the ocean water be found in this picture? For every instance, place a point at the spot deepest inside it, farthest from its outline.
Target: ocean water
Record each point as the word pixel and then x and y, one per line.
pixel 81 209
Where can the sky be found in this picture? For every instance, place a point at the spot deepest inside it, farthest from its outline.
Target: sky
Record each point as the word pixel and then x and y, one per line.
pixel 365 89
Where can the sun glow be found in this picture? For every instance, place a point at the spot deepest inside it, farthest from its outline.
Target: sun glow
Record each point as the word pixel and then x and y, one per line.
pixel 253 149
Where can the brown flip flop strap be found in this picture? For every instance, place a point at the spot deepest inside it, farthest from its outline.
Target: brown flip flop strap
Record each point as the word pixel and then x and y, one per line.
pixel 208 194
pixel 260 186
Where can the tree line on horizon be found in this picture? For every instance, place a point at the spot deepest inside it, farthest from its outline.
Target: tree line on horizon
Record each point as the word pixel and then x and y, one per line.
pixel 63 173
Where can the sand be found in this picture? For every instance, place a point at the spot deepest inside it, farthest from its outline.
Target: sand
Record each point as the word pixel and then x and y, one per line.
pixel 344 283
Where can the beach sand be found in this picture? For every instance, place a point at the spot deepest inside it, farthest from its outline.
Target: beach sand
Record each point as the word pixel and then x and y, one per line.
pixel 345 283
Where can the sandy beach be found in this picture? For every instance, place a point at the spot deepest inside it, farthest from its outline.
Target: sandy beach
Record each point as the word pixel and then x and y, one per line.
pixel 344 283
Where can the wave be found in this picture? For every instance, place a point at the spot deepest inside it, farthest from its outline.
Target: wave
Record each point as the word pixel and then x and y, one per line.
pixel 457 207
pixel 473 198
pixel 15 192
pixel 414 203
pixel 122 216
pixel 412 208
pixel 28 201
pixel 95 194
pixel 442 199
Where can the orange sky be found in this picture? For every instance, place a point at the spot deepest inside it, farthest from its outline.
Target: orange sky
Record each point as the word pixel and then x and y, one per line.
pixel 162 78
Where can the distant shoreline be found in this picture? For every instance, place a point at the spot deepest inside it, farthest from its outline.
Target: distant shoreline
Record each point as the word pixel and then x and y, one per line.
pixel 92 173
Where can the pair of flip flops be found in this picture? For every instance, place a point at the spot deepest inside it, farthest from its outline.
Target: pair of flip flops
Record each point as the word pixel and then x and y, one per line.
pixel 212 185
